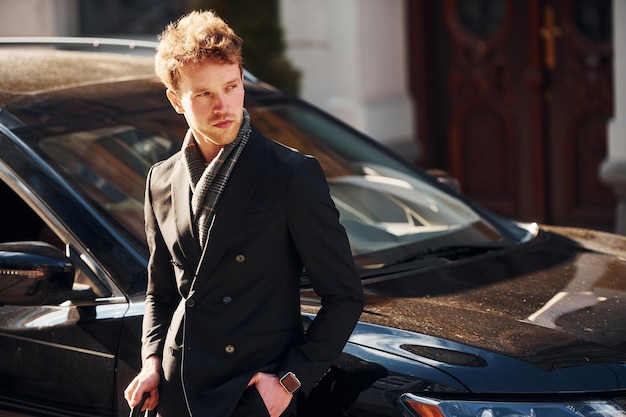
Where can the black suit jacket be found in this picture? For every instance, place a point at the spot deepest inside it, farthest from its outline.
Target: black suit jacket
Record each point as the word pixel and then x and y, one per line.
pixel 217 317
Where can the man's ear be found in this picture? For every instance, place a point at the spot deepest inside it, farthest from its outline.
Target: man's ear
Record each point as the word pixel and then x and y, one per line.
pixel 175 101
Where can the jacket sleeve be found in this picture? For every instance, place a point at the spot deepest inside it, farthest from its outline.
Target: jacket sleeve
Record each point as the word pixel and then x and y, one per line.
pixel 160 303
pixel 323 246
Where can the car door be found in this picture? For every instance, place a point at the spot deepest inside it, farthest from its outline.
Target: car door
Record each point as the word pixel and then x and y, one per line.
pixel 59 358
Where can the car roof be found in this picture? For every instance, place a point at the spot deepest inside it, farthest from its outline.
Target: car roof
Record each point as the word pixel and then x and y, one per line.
pixel 33 71
pixel 32 66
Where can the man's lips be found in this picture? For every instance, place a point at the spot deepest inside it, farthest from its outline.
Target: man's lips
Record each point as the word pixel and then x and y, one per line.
pixel 223 124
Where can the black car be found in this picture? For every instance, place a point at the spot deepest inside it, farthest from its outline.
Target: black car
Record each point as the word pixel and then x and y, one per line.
pixel 468 314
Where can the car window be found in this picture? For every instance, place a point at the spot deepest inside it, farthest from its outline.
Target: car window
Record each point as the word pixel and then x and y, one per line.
pixel 109 165
pixel 20 223
pixel 384 204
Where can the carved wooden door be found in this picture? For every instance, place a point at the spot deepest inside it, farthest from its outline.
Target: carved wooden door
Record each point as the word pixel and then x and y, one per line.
pixel 514 99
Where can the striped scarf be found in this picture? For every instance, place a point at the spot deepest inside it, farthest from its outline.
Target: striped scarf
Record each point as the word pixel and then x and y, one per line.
pixel 209 180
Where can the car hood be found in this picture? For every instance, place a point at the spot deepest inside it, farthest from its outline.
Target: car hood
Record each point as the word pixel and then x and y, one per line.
pixel 556 303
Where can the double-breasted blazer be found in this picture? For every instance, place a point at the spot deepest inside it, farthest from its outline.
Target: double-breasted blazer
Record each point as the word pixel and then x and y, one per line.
pixel 217 316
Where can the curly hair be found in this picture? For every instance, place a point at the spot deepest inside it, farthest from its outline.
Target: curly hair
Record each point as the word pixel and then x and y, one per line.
pixel 195 37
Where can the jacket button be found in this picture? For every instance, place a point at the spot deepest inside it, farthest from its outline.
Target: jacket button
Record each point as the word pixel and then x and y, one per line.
pixel 230 349
pixel 240 258
pixel 227 299
pixel 190 302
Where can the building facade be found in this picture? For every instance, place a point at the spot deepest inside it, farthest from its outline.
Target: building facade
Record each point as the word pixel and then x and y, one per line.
pixel 358 61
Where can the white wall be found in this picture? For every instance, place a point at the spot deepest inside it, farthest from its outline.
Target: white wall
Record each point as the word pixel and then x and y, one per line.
pixel 353 59
pixel 38 17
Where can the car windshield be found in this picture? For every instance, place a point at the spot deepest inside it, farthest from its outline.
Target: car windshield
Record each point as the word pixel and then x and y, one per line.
pixel 388 208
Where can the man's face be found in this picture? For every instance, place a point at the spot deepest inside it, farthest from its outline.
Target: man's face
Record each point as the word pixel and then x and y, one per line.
pixel 210 95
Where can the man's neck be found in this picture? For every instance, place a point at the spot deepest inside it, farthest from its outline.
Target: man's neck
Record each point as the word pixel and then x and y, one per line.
pixel 209 151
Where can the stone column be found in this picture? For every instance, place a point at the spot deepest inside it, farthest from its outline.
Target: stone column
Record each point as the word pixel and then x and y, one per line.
pixel 353 58
pixel 613 169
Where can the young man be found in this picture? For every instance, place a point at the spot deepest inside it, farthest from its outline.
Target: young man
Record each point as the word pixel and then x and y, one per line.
pixel 231 220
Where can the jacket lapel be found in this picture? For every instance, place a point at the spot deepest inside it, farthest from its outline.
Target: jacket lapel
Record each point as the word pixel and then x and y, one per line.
pixel 232 206
pixel 181 196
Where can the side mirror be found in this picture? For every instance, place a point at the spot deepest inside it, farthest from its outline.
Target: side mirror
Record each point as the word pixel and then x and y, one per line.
pixel 36 273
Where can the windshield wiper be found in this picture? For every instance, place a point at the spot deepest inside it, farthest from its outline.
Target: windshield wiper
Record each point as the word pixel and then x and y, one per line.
pixel 421 259
pixel 446 253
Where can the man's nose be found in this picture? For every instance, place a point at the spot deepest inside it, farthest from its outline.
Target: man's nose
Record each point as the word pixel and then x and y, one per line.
pixel 220 104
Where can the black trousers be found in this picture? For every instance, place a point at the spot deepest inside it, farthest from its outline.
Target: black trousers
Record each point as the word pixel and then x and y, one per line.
pixel 251 405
